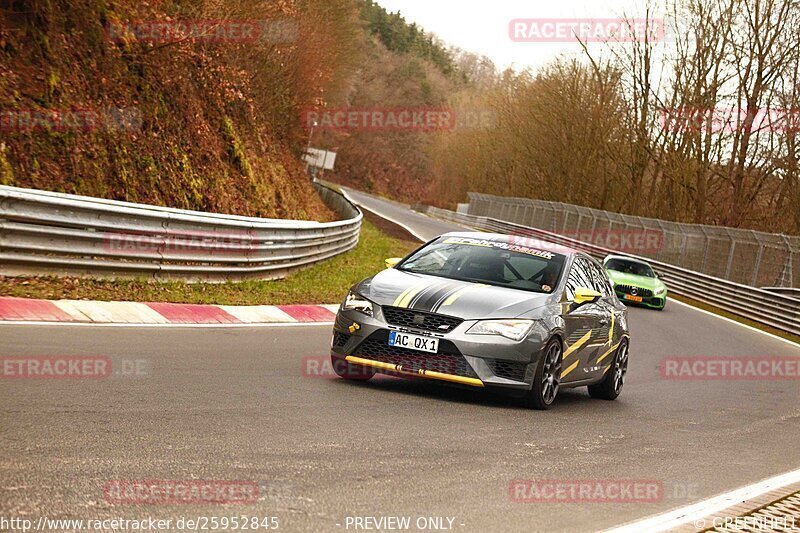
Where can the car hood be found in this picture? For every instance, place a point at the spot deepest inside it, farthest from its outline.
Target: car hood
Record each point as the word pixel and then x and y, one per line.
pixel 462 299
pixel 622 278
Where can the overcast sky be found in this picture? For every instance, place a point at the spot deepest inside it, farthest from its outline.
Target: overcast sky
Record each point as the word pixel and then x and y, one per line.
pixel 481 26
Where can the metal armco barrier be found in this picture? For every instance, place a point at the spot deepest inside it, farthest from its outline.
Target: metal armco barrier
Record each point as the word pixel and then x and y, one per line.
pixel 62 234
pixel 765 307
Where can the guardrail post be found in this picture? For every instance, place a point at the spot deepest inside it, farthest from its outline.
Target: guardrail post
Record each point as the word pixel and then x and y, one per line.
pixel 705 249
pixel 757 267
pixel 730 255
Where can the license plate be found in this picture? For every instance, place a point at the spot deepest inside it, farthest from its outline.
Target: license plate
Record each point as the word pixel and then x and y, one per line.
pixel 633 298
pixel 413 342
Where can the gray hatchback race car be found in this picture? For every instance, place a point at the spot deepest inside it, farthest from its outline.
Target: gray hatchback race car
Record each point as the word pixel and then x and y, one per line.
pixel 489 311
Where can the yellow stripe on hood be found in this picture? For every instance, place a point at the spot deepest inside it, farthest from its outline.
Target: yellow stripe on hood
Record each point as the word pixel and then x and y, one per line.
pixel 402 295
pixel 461 292
pixel 408 295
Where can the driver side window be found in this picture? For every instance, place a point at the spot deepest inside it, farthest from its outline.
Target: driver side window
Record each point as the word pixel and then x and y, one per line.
pixel 579 276
pixel 600 279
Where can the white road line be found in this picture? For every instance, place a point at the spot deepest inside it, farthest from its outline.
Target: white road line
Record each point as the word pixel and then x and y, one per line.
pixel 168 325
pixel 696 512
pixel 390 219
pixel 751 328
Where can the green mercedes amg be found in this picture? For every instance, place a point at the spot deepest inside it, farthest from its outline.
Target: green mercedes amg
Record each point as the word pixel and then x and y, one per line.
pixel 635 281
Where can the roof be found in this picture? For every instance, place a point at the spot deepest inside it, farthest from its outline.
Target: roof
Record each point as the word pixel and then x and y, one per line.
pixel 626 258
pixel 531 242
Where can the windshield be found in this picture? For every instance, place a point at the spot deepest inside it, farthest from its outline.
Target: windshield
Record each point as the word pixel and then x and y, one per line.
pixel 505 264
pixel 630 267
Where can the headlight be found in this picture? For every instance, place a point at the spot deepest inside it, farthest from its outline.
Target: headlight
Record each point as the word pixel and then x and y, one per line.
pixel 511 329
pixel 660 291
pixel 354 302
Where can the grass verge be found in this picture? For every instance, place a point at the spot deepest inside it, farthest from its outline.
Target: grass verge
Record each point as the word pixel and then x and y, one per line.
pixel 324 283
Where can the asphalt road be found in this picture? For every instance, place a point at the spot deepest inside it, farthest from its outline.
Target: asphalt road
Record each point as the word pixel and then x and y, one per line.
pixel 238 404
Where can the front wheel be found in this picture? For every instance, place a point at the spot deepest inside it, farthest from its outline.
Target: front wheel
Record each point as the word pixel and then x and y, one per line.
pixel 611 386
pixel 546 378
pixel 347 371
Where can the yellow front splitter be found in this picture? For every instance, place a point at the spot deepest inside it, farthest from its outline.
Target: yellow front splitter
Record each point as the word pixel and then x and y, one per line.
pixel 431 374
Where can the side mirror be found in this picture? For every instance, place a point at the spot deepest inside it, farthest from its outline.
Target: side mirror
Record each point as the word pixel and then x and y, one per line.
pixel 392 261
pixel 585 296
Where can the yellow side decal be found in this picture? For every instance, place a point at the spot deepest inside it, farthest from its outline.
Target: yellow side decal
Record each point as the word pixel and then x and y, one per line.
pixel 461 292
pixel 570 368
pixel 606 369
pixel 606 354
pixel 611 329
pixel 577 344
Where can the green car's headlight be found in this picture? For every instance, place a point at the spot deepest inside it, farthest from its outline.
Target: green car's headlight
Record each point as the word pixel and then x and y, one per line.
pixel 659 291
pixel 513 329
pixel 355 302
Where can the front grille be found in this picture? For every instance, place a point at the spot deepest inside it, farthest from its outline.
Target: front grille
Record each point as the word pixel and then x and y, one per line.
pixel 628 289
pixel 507 369
pixel 448 361
pixel 408 318
pixel 340 339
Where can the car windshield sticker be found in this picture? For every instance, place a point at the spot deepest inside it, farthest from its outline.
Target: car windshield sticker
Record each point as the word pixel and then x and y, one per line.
pixel 499 244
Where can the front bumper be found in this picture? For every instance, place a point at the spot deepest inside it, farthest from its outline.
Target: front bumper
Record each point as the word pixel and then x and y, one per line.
pixel 485 361
pixel 655 302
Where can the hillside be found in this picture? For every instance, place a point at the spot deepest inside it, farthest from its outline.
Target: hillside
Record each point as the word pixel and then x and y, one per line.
pixel 92 104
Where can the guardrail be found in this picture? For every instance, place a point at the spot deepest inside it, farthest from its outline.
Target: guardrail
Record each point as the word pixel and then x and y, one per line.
pixel 786 291
pixel 52 233
pixel 772 309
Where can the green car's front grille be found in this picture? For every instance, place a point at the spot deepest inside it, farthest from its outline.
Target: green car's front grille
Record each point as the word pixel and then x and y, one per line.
pixel 631 289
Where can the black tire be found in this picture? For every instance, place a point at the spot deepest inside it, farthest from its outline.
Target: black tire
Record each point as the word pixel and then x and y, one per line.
pixel 547 377
pixel 611 386
pixel 350 372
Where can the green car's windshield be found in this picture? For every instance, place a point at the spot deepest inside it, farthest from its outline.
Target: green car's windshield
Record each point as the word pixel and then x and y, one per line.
pixel 630 267
pixel 505 264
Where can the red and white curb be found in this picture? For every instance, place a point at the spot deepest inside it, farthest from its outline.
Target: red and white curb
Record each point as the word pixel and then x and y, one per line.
pixel 93 312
